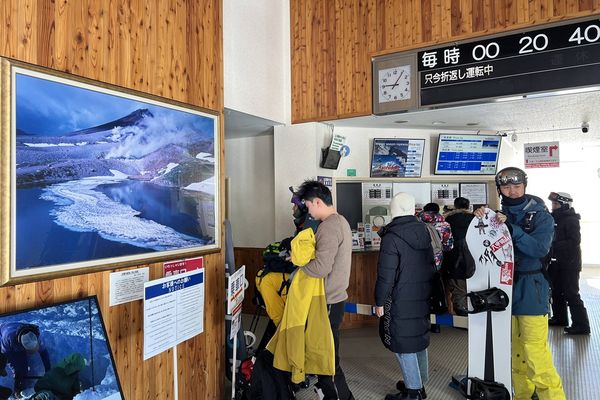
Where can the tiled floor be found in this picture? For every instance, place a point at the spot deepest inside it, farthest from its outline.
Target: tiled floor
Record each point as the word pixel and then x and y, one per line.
pixel 372 371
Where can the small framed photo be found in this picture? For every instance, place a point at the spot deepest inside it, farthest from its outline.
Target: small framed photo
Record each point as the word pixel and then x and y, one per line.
pixel 397 158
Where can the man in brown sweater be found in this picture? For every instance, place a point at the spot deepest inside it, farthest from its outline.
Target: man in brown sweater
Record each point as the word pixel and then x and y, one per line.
pixel 332 262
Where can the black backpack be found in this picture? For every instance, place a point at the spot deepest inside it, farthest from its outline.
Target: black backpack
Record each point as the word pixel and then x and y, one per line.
pixel 274 259
pixel 460 262
pixel 267 382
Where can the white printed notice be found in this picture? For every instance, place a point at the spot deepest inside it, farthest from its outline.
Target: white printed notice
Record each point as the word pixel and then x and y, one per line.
pixel 173 311
pixel 475 192
pixel 126 286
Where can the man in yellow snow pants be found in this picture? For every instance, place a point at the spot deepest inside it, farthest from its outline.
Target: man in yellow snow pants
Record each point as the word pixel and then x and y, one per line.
pixel 531 227
pixel 532 365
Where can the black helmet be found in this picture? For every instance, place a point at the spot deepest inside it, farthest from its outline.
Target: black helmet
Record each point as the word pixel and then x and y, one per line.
pixel 511 176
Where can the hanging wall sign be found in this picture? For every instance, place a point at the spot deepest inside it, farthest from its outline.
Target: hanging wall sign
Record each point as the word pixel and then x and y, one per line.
pixel 534 60
pixel 542 155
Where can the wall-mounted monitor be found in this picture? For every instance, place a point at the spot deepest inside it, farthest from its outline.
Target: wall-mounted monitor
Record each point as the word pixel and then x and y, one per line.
pixel 459 154
pixel 59 351
pixel 397 158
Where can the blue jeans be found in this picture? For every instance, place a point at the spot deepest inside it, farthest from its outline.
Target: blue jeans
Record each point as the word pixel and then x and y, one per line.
pixel 415 368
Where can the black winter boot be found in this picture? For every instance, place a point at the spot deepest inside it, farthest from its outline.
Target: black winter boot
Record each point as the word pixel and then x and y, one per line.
pixel 402 388
pixel 556 322
pixel 581 323
pixel 412 394
pixel 577 330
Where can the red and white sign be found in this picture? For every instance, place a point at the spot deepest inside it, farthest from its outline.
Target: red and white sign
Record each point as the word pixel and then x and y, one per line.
pixel 182 266
pixel 235 289
pixel 236 321
pixel 542 155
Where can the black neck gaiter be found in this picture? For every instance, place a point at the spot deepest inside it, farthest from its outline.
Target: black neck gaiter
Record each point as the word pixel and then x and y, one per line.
pixel 507 201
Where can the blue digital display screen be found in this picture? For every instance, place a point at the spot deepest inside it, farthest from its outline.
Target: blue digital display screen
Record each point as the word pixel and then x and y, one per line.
pixel 467 154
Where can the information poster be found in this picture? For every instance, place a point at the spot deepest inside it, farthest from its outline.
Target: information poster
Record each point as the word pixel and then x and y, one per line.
pixel 126 286
pixel 542 155
pixel 173 311
pixel 326 180
pixel 337 142
pixel 235 296
pixel 235 289
pixel 397 158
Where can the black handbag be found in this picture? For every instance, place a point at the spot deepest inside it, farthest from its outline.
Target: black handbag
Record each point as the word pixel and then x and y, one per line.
pixel 438 303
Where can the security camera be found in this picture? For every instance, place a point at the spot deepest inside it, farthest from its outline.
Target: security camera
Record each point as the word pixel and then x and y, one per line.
pixel 585 127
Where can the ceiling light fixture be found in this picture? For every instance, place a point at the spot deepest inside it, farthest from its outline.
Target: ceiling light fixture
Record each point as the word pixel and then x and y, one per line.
pixel 438 123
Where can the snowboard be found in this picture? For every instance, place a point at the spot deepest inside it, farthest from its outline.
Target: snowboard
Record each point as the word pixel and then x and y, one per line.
pixel 489 340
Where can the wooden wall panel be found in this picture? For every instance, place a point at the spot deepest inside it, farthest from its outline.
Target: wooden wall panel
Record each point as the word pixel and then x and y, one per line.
pixel 313 53
pixel 331 62
pixel 355 40
pixel 169 48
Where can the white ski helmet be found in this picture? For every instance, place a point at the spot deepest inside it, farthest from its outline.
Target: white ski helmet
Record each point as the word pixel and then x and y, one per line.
pixel 562 198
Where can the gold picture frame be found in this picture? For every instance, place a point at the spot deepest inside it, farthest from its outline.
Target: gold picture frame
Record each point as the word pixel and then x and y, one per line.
pixel 94 176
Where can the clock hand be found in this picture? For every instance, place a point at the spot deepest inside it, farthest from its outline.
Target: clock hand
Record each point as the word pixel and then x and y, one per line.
pixel 393 85
pixel 396 83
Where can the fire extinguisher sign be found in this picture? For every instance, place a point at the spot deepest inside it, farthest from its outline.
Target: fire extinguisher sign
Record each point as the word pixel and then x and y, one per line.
pixel 542 155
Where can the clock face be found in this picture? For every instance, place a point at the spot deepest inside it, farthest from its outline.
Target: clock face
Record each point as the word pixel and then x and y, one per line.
pixel 394 84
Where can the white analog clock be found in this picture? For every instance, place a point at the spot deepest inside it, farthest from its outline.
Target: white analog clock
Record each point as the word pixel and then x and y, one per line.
pixel 394 83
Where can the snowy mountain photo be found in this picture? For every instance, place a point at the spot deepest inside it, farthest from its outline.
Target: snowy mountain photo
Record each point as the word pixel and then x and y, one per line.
pixel 68 330
pixel 102 176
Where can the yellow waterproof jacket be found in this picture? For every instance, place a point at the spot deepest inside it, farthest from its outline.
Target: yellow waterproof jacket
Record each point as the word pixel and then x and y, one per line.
pixel 303 343
pixel 269 286
pixel 304 247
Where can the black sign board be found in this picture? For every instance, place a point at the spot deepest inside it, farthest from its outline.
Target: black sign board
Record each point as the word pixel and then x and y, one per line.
pixel 557 57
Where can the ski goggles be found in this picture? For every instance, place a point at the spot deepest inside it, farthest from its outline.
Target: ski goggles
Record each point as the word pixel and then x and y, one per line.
pixel 510 179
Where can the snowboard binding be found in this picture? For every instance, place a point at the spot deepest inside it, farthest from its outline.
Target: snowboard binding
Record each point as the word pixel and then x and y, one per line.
pixel 492 299
pixel 486 390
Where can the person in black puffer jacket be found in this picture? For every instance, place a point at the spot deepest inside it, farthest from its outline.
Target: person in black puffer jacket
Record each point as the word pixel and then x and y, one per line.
pixel 565 267
pixel 459 219
pixel 404 273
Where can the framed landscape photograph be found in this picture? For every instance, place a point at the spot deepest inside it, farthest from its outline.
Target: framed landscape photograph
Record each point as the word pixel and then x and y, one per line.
pixel 95 176
pixel 397 158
